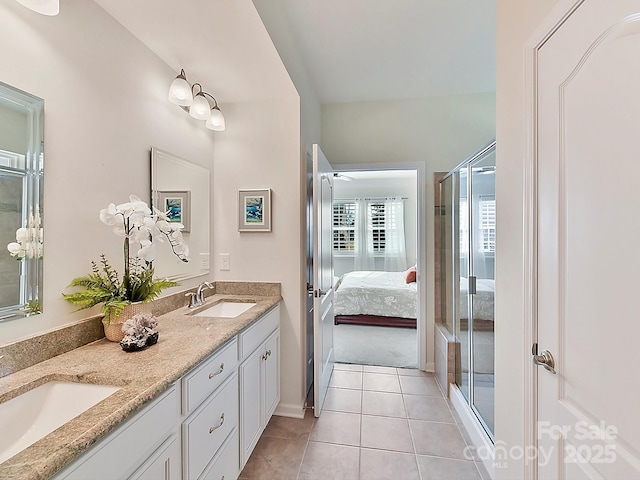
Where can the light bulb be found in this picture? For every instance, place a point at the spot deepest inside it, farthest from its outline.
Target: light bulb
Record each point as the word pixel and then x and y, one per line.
pixel 180 91
pixel 200 108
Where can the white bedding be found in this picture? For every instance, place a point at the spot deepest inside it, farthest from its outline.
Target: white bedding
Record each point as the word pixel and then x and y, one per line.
pixel 482 300
pixel 376 293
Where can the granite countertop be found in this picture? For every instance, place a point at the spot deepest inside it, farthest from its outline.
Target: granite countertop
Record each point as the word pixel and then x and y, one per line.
pixel 184 341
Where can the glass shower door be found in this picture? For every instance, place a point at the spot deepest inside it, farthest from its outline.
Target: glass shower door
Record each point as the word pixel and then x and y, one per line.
pixel 483 244
pixel 461 275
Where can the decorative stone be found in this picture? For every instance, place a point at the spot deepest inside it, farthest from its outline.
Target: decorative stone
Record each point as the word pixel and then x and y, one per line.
pixel 139 332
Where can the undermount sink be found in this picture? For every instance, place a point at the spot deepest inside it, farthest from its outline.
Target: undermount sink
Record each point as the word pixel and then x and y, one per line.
pixel 225 309
pixel 27 418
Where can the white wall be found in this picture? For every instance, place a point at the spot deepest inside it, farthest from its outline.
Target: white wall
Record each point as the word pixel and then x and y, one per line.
pixel 390 187
pixel 439 132
pixel 105 106
pixel 258 152
pixel 272 14
pixel 516 22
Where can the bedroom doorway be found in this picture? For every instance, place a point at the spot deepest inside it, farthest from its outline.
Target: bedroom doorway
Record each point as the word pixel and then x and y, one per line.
pixel 375 258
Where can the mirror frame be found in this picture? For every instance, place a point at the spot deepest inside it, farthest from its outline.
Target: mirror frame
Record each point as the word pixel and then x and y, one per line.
pixel 31 279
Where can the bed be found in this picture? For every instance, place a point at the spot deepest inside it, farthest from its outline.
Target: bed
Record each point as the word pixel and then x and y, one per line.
pixel 483 304
pixel 376 298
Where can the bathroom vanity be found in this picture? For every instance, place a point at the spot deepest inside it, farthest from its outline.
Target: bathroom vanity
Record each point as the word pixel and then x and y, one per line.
pixel 192 406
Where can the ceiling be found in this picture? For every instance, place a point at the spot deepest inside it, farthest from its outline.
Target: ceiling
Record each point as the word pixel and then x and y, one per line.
pixel 353 50
pixel 367 50
pixel 221 44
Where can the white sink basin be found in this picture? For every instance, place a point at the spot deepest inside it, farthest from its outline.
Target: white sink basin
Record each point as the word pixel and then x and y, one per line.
pixel 27 418
pixel 225 309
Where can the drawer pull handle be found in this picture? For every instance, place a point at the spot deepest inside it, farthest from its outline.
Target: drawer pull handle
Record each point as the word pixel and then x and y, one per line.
pixel 266 355
pixel 211 375
pixel 213 429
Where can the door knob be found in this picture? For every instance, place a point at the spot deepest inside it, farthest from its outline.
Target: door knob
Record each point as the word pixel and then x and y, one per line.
pixel 544 358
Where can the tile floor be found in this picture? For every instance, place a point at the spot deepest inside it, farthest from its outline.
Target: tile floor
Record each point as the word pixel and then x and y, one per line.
pixel 377 423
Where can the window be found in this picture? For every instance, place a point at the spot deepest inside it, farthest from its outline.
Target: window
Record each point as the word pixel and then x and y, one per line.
pixel 376 225
pixel 344 227
pixel 487 224
pixel 485 232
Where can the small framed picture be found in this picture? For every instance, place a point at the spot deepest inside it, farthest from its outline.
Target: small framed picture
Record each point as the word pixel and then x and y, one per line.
pixel 254 210
pixel 176 204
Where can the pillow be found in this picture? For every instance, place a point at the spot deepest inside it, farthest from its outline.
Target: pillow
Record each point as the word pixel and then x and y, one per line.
pixel 410 275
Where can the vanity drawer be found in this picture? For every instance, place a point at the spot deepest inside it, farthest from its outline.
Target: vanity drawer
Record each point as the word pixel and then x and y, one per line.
pixel 206 430
pixel 253 336
pixel 226 464
pixel 202 381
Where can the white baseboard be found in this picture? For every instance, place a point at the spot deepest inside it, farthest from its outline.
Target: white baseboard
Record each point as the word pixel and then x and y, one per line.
pixel 478 436
pixel 289 410
pixel 430 367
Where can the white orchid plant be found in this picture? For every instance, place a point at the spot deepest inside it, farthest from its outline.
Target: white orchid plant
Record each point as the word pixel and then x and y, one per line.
pixel 140 227
pixel 29 239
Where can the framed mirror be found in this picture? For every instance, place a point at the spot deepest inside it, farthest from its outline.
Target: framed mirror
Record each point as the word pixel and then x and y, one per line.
pixel 21 203
pixel 181 189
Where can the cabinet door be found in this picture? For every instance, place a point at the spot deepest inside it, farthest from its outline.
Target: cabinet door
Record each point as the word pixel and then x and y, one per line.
pixel 250 403
pixel 165 464
pixel 271 376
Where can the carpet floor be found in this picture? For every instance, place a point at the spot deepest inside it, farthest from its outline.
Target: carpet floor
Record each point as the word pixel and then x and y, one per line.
pixel 382 346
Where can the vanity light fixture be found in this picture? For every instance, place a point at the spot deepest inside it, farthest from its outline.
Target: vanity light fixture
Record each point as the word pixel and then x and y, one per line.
pixel 45 7
pixel 197 102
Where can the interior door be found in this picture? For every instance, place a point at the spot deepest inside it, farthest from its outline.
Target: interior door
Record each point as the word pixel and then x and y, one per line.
pixel 588 233
pixel 322 277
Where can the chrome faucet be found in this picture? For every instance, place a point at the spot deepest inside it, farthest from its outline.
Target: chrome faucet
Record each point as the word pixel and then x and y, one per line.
pixel 196 299
pixel 200 292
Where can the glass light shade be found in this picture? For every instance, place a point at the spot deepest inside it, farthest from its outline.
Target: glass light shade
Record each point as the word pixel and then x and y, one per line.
pixel 200 108
pixel 45 7
pixel 180 92
pixel 216 120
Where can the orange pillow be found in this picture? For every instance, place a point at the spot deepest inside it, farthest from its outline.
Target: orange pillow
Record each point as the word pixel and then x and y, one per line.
pixel 410 275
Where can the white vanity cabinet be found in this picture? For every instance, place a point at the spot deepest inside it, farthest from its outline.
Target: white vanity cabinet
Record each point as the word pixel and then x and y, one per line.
pixel 205 426
pixel 259 375
pixel 140 439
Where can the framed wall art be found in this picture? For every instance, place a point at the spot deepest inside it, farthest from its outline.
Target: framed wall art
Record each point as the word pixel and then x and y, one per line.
pixel 254 210
pixel 176 204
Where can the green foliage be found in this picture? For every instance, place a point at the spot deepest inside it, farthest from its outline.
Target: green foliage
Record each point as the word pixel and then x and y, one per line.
pixel 34 306
pixel 103 285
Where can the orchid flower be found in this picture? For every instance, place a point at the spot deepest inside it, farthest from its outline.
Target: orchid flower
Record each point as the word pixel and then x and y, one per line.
pixel 29 240
pixel 135 221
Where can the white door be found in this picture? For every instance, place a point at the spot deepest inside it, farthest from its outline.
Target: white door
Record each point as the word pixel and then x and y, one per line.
pixel 588 243
pixel 322 277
